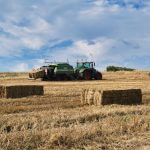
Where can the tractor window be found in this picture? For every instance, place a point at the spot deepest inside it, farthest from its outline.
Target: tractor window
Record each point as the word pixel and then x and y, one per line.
pixel 64 66
pixel 87 65
pixel 79 65
pixel 52 67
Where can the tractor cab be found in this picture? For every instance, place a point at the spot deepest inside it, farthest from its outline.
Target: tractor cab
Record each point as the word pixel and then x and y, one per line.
pixel 88 65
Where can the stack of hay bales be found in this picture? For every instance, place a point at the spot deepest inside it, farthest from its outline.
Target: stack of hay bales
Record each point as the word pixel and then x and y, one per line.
pixel 18 91
pixel 39 73
pixel 106 97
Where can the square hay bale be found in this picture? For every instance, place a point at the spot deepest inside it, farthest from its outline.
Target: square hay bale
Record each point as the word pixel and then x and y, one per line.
pixel 2 91
pixel 83 94
pixel 107 97
pixel 18 91
pixel 87 96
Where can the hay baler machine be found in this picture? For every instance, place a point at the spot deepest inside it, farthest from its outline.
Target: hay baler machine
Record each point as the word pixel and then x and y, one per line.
pixel 86 71
pixel 64 71
pixel 56 71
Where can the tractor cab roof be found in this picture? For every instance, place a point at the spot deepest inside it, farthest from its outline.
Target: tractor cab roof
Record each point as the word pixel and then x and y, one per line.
pixel 85 64
pixel 58 64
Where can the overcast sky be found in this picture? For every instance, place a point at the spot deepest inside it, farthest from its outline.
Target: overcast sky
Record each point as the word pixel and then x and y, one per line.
pixel 110 32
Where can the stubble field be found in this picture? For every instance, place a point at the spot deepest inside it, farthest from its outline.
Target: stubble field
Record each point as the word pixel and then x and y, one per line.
pixel 58 120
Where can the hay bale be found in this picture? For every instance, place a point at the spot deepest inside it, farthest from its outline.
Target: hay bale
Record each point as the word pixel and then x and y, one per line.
pixel 2 91
pixel 97 98
pixel 124 97
pixel 107 97
pixel 83 96
pixel 90 96
pixel 18 91
pixel 86 96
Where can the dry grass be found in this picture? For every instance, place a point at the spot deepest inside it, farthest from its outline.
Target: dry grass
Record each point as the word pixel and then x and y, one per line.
pixel 10 75
pixel 58 120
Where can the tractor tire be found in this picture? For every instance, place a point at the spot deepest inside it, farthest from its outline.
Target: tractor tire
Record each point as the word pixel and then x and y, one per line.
pixel 30 75
pixel 64 77
pixel 98 76
pixel 44 79
pixel 72 78
pixel 87 75
pixel 58 78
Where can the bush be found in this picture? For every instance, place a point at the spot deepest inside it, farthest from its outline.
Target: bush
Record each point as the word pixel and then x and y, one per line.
pixel 114 68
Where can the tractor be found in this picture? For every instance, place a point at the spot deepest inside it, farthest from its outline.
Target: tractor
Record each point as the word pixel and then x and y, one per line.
pixel 64 71
pixel 86 71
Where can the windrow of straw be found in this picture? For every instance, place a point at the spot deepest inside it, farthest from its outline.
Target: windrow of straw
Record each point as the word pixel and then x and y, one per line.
pixel 106 97
pixel 19 91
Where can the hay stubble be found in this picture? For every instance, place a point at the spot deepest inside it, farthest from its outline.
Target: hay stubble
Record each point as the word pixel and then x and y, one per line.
pixel 58 120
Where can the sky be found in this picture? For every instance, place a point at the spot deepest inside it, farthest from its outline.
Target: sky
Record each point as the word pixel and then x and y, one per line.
pixel 109 32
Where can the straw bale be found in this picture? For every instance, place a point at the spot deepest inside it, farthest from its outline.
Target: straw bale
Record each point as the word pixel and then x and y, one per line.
pixel 18 91
pixel 90 96
pixel 97 98
pixel 37 74
pixel 83 99
pixel 129 96
pixel 86 96
pixel 2 91
pixel 106 97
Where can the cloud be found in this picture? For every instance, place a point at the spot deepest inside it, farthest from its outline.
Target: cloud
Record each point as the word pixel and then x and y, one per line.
pixel 83 50
pixel 108 31
pixel 21 67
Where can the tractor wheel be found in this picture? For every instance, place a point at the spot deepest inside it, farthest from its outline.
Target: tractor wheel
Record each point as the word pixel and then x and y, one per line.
pixel 59 77
pixel 72 77
pixel 44 78
pixel 30 75
pixel 98 76
pixel 65 77
pixel 87 75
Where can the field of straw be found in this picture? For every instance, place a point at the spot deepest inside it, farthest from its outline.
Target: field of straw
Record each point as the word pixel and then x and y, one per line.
pixel 59 121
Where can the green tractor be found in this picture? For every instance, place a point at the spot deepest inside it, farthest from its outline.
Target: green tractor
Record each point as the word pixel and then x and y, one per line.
pixel 55 71
pixel 86 71
pixel 64 71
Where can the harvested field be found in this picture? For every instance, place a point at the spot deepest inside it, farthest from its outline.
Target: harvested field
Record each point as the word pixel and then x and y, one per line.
pixel 58 120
